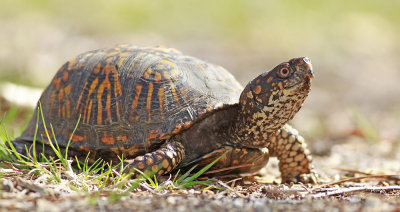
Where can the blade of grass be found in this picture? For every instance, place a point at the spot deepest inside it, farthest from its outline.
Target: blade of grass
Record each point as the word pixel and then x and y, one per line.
pixel 195 176
pixel 34 138
pixel 184 176
pixel 70 138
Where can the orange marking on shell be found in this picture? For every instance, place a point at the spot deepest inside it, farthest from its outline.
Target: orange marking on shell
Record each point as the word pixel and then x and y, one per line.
pixel 161 100
pixel 108 101
pixel 153 131
pixel 63 111
pixel 167 76
pixel 160 67
pixel 60 99
pixel 96 70
pixel 76 138
pixel 68 106
pixel 84 148
pixel 51 135
pixel 107 139
pixel 257 90
pixel 153 134
pixel 269 79
pixel 112 53
pixel 169 63
pixel 177 129
pixel 65 76
pixel 117 91
pixel 52 99
pixel 165 136
pixel 77 107
pixel 67 89
pixel 258 81
pixel 152 137
pixel 57 82
pixel 89 111
pixel 80 106
pixel 99 105
pixel 123 56
pixel 148 101
pixel 103 86
pixel 147 73
pixel 131 151
pixel 72 63
pixel 122 138
pixel 134 104
pixel 157 77
pixel 187 125
pixel 120 61
pixel 182 90
pixel 175 73
pixel 174 93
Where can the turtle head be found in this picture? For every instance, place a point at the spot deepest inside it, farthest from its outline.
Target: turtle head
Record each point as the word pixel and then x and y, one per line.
pixel 283 83
pixel 274 97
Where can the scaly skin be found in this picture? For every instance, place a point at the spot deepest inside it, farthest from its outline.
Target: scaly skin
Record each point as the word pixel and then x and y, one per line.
pixel 159 162
pixel 294 157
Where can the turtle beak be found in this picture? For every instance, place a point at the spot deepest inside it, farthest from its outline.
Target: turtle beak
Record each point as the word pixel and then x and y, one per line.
pixel 307 67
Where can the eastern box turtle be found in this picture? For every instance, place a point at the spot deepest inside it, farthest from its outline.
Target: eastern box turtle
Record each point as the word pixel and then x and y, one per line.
pixel 162 110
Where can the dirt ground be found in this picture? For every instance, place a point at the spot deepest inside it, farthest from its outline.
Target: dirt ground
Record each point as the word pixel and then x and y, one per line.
pixel 355 176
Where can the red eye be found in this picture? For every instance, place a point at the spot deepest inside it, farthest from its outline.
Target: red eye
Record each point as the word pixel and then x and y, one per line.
pixel 284 72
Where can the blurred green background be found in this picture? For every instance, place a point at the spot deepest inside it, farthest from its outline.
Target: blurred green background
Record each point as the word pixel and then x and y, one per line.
pixel 354 47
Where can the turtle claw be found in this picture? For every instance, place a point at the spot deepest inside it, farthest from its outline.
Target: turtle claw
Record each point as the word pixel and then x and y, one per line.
pixel 306 178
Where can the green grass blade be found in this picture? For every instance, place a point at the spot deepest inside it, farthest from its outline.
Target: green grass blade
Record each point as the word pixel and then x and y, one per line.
pixel 204 169
pixel 34 138
pixel 193 183
pixel 70 138
pixel 184 176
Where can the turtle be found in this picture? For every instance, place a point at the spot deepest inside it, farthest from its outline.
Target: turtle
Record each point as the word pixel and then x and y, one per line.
pixel 162 110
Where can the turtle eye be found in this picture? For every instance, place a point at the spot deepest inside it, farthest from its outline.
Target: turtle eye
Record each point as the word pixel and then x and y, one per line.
pixel 283 72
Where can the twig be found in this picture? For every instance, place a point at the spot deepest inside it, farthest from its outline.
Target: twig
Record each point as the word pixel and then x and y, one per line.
pixel 33 187
pixel 233 181
pixel 392 177
pixel 383 176
pixel 231 189
pixel 353 171
pixel 342 191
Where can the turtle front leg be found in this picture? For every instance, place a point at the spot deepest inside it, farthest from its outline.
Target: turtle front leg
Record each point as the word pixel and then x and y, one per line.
pixel 294 157
pixel 159 162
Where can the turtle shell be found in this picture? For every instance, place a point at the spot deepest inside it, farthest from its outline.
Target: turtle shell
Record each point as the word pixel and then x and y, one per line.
pixel 129 98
